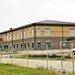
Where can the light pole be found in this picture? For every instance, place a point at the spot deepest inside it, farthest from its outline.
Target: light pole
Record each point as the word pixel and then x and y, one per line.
pixel 12 56
pixel 27 57
pixel 47 55
pixel 0 53
pixel 1 40
pixel 72 59
pixel 61 55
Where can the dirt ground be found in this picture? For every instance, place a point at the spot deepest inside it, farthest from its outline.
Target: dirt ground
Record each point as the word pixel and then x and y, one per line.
pixel 39 52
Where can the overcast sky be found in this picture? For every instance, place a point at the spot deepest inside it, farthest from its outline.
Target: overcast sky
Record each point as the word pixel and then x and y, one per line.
pixel 15 13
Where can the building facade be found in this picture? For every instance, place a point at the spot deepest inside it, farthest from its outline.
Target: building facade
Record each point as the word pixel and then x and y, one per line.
pixel 36 36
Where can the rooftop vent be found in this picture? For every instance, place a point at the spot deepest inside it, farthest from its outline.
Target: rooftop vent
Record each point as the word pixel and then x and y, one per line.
pixel 11 28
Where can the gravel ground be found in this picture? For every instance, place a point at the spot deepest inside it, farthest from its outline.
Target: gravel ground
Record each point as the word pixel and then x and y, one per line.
pixel 67 65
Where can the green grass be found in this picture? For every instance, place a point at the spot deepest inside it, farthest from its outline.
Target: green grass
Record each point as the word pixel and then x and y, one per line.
pixel 40 58
pixel 44 58
pixel 7 69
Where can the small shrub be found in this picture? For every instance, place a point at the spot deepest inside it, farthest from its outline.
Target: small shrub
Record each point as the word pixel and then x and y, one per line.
pixel 37 67
pixel 40 67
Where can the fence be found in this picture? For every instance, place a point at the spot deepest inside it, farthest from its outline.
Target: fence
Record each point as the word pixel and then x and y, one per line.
pixel 71 46
pixel 43 58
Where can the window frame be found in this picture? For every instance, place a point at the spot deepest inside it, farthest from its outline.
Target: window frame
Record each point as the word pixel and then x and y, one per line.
pixel 28 32
pixel 48 43
pixel 47 31
pixel 38 44
pixel 25 45
pixel 17 35
pixel 38 31
pixel 32 32
pixel 28 44
pixel 24 33
pixel 17 45
pixel 7 37
pixel 71 31
pixel 32 44
pixel 21 45
pixel 10 36
pixel 21 34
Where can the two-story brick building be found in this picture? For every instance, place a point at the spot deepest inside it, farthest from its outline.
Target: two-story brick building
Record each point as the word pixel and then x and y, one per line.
pixel 37 35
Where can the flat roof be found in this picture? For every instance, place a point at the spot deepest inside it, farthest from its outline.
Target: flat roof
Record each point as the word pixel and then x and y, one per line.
pixel 45 22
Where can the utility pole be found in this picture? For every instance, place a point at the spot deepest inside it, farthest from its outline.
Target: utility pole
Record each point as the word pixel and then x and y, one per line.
pixel 72 59
pixel 47 55
pixel 61 55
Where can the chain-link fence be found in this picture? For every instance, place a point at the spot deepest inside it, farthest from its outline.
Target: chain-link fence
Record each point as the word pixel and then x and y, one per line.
pixel 59 59
pixel 67 50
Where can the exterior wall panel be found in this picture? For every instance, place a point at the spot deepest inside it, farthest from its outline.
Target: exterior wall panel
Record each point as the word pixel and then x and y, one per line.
pixel 55 42
pixel 55 31
pixel 30 32
pixel 66 31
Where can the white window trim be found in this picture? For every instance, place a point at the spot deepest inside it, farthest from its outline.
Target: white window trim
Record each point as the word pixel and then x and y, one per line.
pixel 24 33
pixel 32 32
pixel 46 30
pixel 14 35
pixel 21 34
pixel 7 37
pixel 71 32
pixel 10 36
pixel 49 41
pixel 28 32
pixel 38 31
pixel 17 35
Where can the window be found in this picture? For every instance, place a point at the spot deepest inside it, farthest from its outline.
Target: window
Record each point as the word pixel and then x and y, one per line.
pixel 7 37
pixel 32 32
pixel 28 44
pixel 17 45
pixel 39 44
pixel 38 31
pixel 47 31
pixel 21 45
pixel 14 35
pixel 71 31
pixel 10 45
pixel 24 33
pixel 48 44
pixel 10 36
pixel 4 47
pixel 21 34
pixel 17 35
pixel 7 46
pixel 28 32
pixel 25 45
pixel 14 46
pixel 32 45
pixel 4 37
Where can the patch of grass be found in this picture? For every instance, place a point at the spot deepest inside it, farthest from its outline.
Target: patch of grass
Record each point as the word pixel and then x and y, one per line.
pixel 40 58
pixel 43 58
pixel 7 69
